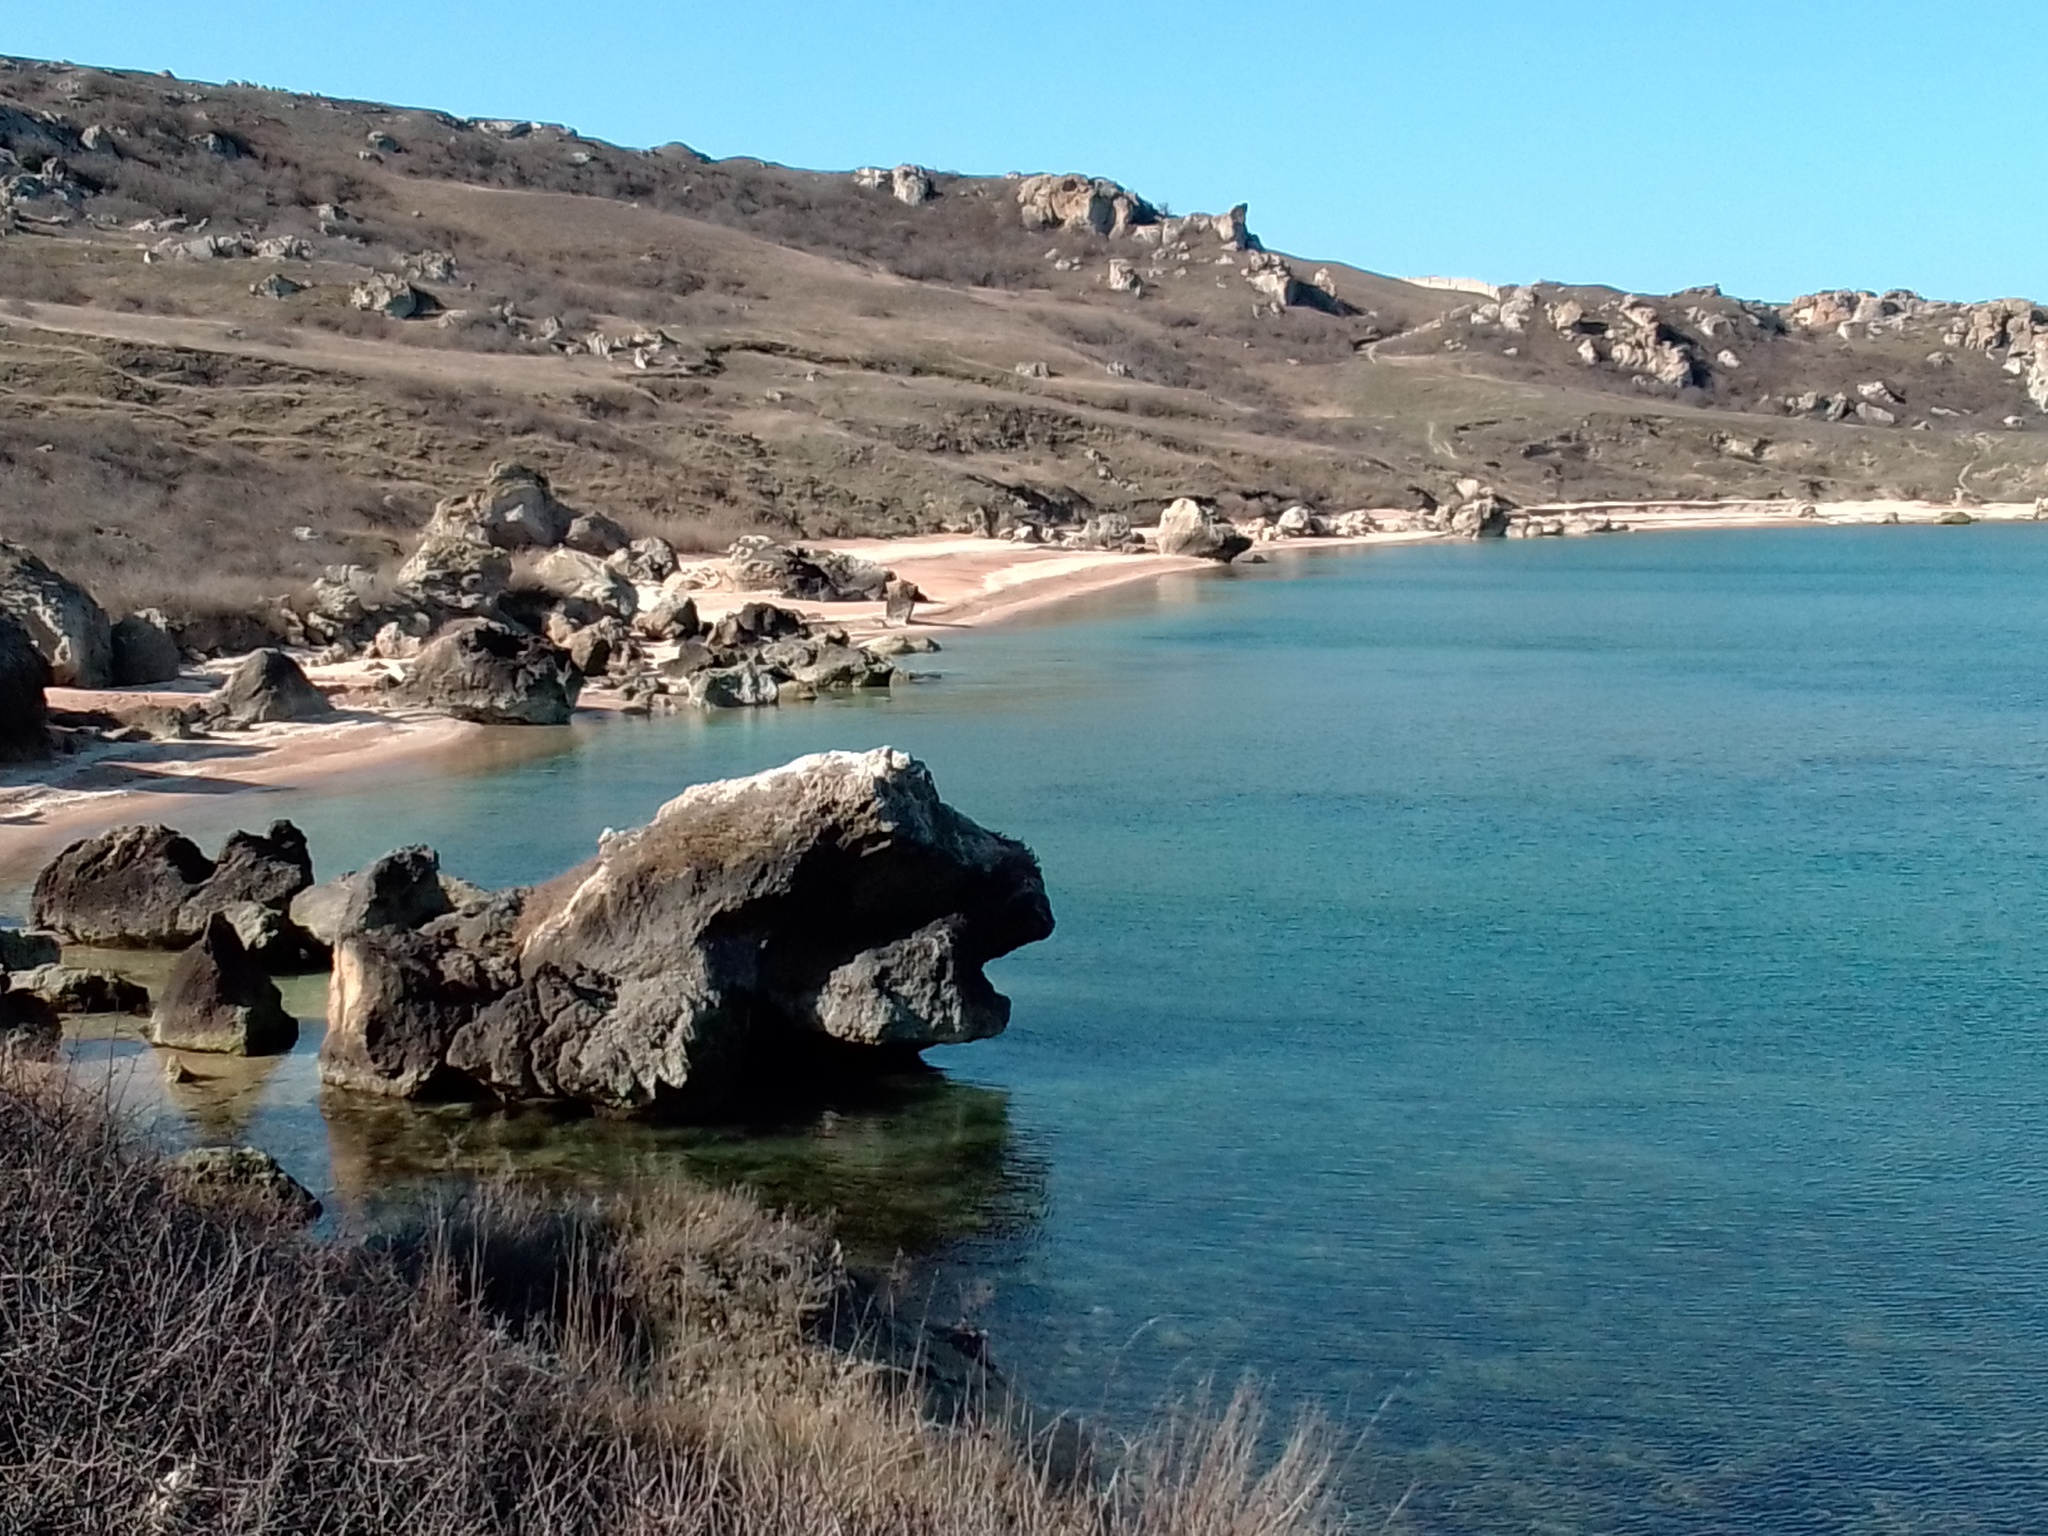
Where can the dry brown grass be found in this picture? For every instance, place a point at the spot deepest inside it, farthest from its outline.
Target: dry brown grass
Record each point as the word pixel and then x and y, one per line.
pixel 503 1366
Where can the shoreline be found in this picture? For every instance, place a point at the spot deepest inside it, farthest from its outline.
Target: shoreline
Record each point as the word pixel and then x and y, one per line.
pixel 971 583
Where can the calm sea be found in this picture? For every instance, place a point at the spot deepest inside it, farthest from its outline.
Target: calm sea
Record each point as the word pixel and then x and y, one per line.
pixel 1577 1011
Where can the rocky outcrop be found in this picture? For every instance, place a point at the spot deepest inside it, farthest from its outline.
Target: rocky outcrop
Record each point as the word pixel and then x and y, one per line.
pixel 592 533
pixel 147 887
pixel 24 711
pixel 912 184
pixel 1189 528
pixel 516 508
pixel 579 587
pixel 61 619
pixel 72 989
pixel 266 687
pixel 219 999
pixel 834 909
pixel 389 294
pixel 1081 204
pixel 759 564
pixel 494 674
pixel 144 651
pixel 403 889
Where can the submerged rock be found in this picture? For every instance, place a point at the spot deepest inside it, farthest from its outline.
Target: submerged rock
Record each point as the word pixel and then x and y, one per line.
pixel 220 999
pixel 242 1176
pixel 832 905
pixel 148 887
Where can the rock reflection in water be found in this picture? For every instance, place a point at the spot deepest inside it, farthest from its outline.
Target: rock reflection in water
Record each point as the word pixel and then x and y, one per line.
pixel 904 1164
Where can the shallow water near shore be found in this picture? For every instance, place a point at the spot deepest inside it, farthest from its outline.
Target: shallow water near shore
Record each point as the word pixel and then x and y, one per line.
pixel 1575 1010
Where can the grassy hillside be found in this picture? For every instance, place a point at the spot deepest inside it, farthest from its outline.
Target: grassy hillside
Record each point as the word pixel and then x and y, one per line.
pixel 703 347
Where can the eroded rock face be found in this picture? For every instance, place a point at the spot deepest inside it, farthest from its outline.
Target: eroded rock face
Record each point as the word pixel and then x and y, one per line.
pixel 145 887
pixel 833 903
pixel 495 675
pixel 403 889
pixel 218 998
pixel 24 711
pixel 60 617
pixel 1189 528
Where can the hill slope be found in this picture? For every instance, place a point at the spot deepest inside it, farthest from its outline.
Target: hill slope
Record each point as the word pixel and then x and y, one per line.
pixel 196 410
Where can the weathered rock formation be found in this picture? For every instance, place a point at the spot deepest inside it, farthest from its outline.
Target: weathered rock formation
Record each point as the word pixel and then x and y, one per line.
pixel 61 618
pixel 1189 528
pixel 71 989
pixel 24 713
pixel 218 998
pixel 830 908
pixel 267 686
pixel 493 674
pixel 1081 204
pixel 403 889
pixel 389 294
pixel 151 888
pixel 758 563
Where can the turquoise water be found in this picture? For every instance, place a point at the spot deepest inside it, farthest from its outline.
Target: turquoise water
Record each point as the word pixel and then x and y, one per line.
pixel 1575 1009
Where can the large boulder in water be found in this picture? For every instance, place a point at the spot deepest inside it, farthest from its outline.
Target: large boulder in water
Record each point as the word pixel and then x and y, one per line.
pixel 218 998
pixel 828 910
pixel 1189 528
pixel 151 888
pixel 24 711
pixel 63 621
pixel 267 686
pixel 491 673
pixel 403 889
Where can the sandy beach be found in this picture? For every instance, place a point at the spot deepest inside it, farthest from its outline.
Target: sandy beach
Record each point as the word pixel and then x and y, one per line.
pixel 969 582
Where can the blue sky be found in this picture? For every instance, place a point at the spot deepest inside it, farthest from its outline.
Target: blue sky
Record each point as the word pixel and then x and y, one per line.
pixel 1772 148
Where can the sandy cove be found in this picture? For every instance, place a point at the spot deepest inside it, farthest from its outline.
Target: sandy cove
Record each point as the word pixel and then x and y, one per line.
pixel 968 582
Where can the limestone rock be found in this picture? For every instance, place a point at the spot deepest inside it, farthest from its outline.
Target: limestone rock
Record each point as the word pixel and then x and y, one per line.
pixel 592 533
pixel 912 184
pixel 69 989
pixel 143 650
pixel 673 617
pixel 835 903
pixel 582 587
pixel 61 618
pixel 493 674
pixel 387 293
pixel 242 1177
pixel 1080 204
pixel 1189 528
pixel 24 712
pixel 219 999
pixel 1123 278
pixel 147 887
pixel 516 508
pixel 268 686
pixel 801 571
pixel 403 889
pixel 645 561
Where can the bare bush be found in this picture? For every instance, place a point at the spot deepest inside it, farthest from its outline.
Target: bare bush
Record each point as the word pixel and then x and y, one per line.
pixel 502 1366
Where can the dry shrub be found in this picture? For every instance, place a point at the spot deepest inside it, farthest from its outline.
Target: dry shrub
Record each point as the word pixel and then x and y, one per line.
pixel 502 1366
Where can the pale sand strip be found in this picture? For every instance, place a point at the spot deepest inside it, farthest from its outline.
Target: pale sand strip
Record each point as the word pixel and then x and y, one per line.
pixel 971 582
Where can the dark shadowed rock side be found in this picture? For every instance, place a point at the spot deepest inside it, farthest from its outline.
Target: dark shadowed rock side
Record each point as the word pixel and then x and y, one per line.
pixel 833 910
pixel 218 998
pixel 151 888
pixel 268 686
pixel 493 674
pixel 24 713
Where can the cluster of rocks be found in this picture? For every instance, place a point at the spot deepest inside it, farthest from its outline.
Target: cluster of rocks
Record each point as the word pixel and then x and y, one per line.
pixel 910 184
pixel 2013 332
pixel 826 913
pixel 229 247
pixel 51 195
pixel 1631 335
pixel 37 987
pixel 1299 522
